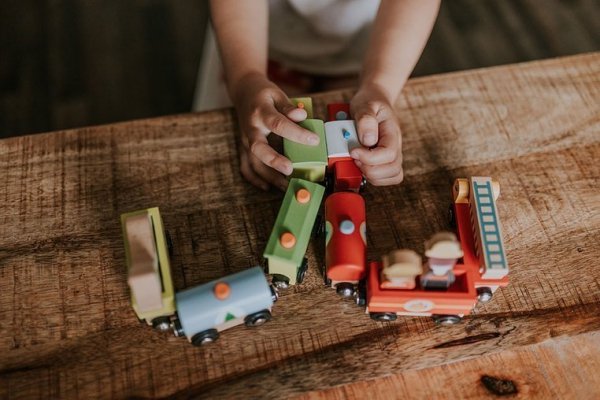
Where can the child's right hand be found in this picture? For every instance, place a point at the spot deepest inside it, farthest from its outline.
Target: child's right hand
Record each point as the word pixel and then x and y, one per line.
pixel 262 107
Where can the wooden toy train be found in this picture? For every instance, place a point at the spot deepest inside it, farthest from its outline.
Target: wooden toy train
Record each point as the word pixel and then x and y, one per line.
pixel 462 268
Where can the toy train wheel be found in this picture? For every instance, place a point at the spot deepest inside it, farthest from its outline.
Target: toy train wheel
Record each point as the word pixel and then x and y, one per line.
pixel 345 289
pixel 162 324
pixel 257 319
pixel 484 294
pixel 205 337
pixel 363 185
pixel 274 293
pixel 280 281
pixel 451 216
pixel 446 320
pixel 361 294
pixel 302 271
pixel 169 243
pixel 383 317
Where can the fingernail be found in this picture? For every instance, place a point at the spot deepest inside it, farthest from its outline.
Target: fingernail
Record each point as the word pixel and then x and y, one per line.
pixel 369 139
pixel 313 139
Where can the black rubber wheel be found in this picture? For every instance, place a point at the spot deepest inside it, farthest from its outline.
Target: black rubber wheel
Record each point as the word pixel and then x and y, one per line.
pixel 363 185
pixel 162 324
pixel 169 244
pixel 280 281
pixel 383 317
pixel 274 294
pixel 345 289
pixel 446 320
pixel 257 319
pixel 302 271
pixel 451 216
pixel 205 337
pixel 484 294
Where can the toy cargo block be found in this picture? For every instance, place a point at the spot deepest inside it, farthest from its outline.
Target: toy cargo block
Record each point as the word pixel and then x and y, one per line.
pixel 143 277
pixel 138 251
pixel 292 230
pixel 204 310
pixel 309 162
pixel 338 112
pixel 304 103
pixel 341 139
pixel 347 176
pixel 400 268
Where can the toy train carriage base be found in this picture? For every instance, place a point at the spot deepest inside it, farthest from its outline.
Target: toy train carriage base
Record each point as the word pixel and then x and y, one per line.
pixel 475 216
pixel 446 307
pixel 203 311
pixel 345 242
pixel 291 232
pixel 147 251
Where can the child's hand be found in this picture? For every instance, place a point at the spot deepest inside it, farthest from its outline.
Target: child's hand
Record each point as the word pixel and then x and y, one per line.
pixel 263 108
pixel 378 130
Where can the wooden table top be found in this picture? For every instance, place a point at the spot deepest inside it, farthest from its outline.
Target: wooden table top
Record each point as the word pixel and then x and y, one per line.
pixel 67 329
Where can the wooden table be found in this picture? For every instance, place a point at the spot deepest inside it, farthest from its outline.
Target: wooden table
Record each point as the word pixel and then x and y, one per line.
pixel 67 329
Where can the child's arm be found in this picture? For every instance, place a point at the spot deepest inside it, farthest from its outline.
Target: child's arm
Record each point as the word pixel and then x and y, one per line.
pixel 399 34
pixel 242 29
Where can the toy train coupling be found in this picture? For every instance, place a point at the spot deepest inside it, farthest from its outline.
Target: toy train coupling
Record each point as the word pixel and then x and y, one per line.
pixel 161 324
pixel 274 293
pixel 177 328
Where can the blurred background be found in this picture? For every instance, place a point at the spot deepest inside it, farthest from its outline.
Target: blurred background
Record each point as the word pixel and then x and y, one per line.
pixel 71 63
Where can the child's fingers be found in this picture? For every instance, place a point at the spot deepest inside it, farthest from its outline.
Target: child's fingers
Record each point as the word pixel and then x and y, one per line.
pixel 387 149
pixel 282 126
pixel 368 129
pixel 294 113
pixel 269 175
pixel 265 153
pixel 249 174
pixel 385 171
pixel 388 181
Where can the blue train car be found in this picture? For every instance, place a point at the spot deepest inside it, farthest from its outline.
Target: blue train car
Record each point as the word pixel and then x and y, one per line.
pixel 203 311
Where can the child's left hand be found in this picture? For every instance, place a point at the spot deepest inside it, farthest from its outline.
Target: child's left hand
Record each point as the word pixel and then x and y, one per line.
pixel 380 160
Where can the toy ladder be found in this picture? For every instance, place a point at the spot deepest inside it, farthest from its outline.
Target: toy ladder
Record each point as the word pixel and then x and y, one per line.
pixel 490 236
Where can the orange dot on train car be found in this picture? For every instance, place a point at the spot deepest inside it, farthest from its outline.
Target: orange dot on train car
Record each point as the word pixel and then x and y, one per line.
pixel 303 196
pixel 300 104
pixel 221 290
pixel 287 240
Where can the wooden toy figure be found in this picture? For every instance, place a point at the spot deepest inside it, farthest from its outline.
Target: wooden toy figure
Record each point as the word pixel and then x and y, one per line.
pixel 443 251
pixel 149 272
pixel 400 268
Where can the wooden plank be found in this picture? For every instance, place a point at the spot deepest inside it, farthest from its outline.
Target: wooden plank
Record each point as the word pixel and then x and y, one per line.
pixel 67 322
pixel 535 372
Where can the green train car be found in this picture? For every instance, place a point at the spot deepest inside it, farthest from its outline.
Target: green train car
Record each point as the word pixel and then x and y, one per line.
pixel 286 248
pixel 309 162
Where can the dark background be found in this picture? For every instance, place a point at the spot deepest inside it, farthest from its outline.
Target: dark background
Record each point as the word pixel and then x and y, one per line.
pixel 68 63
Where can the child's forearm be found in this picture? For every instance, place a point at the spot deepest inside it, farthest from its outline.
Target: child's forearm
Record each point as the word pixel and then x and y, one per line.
pixel 241 28
pixel 399 35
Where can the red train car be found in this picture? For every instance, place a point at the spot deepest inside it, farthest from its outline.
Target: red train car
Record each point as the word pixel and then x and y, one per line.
pixel 345 241
pixel 481 269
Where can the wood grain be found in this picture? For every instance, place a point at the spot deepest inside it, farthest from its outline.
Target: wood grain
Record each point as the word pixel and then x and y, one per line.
pixel 68 329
